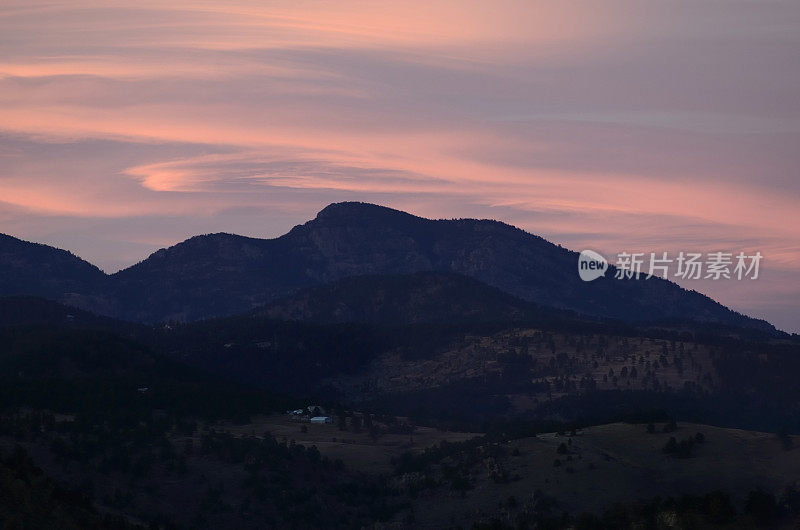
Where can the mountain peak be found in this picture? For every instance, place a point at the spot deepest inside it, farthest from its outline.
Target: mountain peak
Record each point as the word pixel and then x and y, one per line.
pixel 359 210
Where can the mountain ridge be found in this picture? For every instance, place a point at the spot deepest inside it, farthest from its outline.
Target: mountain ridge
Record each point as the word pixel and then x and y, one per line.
pixel 30 268
pixel 221 274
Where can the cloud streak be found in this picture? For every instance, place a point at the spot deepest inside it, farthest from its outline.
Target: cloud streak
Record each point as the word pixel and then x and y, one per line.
pixel 620 126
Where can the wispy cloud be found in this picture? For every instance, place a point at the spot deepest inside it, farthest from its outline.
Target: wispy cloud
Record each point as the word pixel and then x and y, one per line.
pixel 616 124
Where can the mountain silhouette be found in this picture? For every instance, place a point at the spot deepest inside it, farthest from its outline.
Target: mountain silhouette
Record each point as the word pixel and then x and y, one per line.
pixel 34 269
pixel 223 274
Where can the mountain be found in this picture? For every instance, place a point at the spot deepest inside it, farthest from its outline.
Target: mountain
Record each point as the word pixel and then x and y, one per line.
pixel 34 269
pixel 223 274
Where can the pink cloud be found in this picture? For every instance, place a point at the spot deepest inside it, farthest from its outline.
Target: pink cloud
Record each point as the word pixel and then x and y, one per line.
pixel 647 125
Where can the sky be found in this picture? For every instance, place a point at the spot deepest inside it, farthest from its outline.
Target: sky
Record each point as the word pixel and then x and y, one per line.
pixel 665 125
